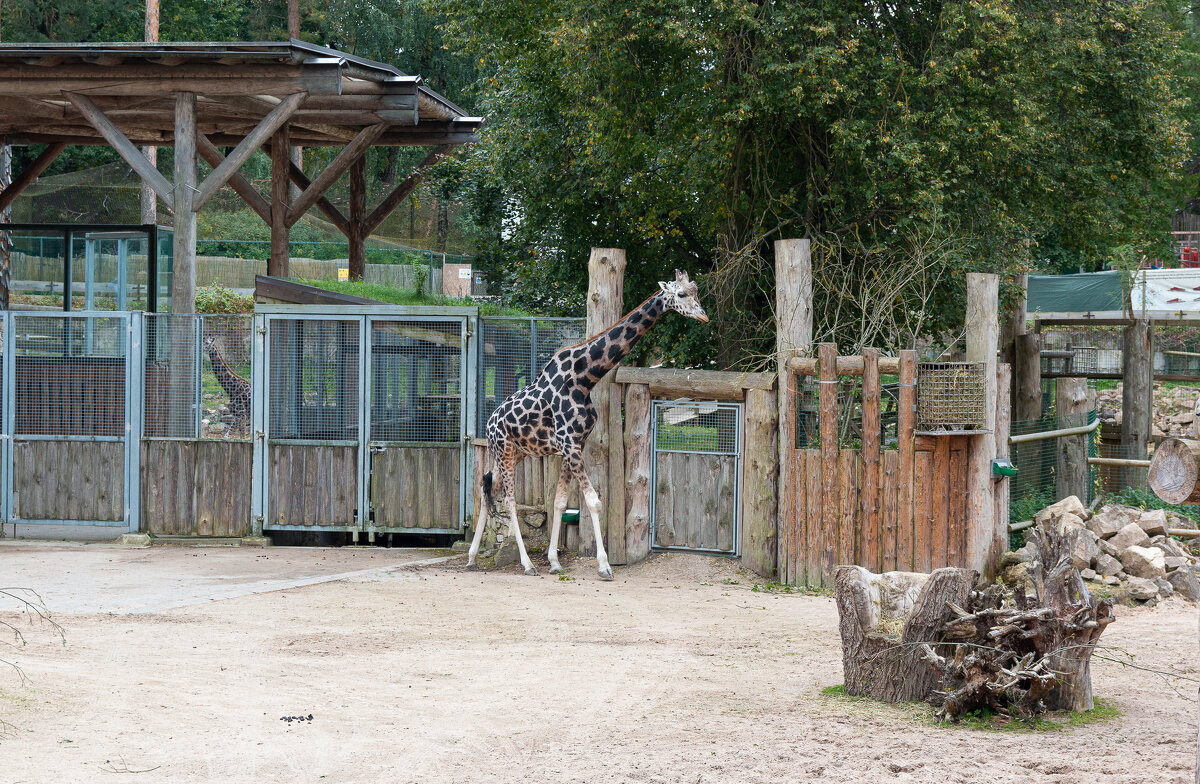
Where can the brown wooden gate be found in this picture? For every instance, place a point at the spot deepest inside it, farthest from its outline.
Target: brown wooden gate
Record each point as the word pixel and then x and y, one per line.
pixel 900 507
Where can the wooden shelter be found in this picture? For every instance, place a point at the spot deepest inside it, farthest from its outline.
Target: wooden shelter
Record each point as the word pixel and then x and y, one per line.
pixel 222 102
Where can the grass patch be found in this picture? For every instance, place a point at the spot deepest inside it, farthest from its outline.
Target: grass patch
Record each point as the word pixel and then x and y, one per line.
pixel 1050 722
pixel 783 588
pixel 399 296
pixel 1104 710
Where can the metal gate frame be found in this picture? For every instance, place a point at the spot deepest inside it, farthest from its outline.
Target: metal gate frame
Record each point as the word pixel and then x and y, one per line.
pixel 134 324
pixel 365 315
pixel 738 453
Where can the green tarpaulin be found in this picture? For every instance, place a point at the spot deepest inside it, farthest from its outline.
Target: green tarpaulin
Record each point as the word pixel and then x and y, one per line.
pixel 1088 291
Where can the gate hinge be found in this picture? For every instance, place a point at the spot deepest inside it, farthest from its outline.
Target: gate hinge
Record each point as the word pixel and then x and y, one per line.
pixel 259 434
pixel 262 330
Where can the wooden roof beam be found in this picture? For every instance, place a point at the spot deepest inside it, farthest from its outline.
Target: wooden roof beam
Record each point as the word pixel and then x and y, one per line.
pixel 125 148
pixel 401 191
pixel 239 183
pixel 327 208
pixel 31 172
pixel 336 168
pixel 230 165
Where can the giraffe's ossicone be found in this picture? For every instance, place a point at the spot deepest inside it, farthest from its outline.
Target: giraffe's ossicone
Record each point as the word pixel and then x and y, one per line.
pixel 554 415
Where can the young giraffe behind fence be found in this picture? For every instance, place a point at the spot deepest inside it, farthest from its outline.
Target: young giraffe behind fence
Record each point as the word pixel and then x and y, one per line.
pixel 236 387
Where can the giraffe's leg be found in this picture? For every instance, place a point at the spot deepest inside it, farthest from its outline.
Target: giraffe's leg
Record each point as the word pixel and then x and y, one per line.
pixel 480 523
pixel 593 501
pixel 560 504
pixel 510 503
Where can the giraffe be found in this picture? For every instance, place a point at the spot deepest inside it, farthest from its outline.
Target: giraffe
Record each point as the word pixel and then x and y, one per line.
pixel 554 415
pixel 236 387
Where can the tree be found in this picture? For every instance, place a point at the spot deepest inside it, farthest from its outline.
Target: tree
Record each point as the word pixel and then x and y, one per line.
pixel 694 135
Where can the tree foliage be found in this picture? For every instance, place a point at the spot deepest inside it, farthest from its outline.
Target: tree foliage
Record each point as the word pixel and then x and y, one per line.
pixel 695 135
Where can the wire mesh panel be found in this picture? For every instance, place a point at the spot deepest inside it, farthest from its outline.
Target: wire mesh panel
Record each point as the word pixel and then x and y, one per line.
pixel 313 386
pixel 70 375
pixel 417 398
pixel 950 396
pixel 172 376
pixel 416 381
pixel 69 453
pixel 696 476
pixel 514 351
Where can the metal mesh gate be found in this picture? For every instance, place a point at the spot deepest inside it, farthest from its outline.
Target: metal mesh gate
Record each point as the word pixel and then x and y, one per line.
pixel 312 469
pixel 70 398
pixel 417 424
pixel 696 476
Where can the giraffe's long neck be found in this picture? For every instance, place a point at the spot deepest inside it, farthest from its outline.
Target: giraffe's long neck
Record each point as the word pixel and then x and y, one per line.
pixel 228 380
pixel 607 349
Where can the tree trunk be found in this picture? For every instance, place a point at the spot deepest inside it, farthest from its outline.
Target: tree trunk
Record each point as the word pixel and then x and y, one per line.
pixel 1174 469
pixel 882 626
pixel 1072 474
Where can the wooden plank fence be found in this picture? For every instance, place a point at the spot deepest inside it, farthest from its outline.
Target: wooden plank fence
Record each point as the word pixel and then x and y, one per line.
pixel 887 509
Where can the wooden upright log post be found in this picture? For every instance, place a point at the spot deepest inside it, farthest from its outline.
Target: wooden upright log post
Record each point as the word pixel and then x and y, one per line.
pixel 1137 402
pixel 983 332
pixel 358 213
pixel 1002 483
pixel 1027 377
pixel 279 262
pixel 1014 323
pixel 183 273
pixel 1070 401
pixel 606 298
pixel 760 491
pixel 793 328
pixel 638 455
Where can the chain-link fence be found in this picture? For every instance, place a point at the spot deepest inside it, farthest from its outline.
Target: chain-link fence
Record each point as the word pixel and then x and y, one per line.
pixel 1039 464
pixel 514 351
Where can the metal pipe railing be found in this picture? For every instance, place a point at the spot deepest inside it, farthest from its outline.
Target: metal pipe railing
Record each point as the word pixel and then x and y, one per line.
pixel 1067 431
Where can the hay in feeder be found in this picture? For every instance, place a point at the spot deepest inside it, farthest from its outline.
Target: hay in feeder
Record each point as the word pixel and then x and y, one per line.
pixel 950 396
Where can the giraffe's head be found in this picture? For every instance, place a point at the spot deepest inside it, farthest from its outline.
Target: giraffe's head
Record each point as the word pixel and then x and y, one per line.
pixel 681 295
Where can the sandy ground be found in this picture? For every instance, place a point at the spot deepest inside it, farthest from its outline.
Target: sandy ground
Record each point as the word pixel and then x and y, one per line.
pixel 675 672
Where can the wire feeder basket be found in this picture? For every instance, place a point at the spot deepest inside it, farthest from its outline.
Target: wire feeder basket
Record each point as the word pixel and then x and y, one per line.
pixel 951 397
pixel 1086 359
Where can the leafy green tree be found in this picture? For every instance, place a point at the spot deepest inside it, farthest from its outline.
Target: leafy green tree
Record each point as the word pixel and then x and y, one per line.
pixel 947 135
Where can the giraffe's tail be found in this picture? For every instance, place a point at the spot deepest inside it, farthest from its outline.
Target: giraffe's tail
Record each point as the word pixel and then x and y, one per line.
pixel 487 488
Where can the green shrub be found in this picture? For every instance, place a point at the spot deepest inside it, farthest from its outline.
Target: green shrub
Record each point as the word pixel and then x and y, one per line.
pixel 218 299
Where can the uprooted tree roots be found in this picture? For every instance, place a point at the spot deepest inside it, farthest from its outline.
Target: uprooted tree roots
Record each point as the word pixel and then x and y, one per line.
pixel 1028 656
pixel 915 636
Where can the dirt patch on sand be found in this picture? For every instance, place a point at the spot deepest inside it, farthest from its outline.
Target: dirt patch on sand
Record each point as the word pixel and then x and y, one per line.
pixel 676 672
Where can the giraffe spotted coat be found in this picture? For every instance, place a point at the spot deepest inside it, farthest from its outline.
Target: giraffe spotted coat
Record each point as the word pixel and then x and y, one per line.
pixel 555 415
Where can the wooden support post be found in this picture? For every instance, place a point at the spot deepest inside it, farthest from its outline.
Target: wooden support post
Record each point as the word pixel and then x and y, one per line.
pixel 29 174
pixel 869 554
pixel 183 272
pixel 831 503
pixel 606 297
pixel 1137 397
pixel 983 331
pixel 358 209
pixel 1070 403
pixel 905 427
pixel 1027 377
pixel 638 454
pixel 280 259
pixel 125 148
pixel 793 328
pixel 239 183
pixel 760 487
pixel 1002 484
pixel 1014 323
pixel 614 503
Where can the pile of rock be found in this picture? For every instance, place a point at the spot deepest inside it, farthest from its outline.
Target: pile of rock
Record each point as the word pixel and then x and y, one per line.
pixel 1174 410
pixel 1124 548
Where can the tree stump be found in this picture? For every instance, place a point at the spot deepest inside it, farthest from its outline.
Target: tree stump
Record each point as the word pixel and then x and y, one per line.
pixel 1030 655
pixel 884 620
pixel 1174 470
